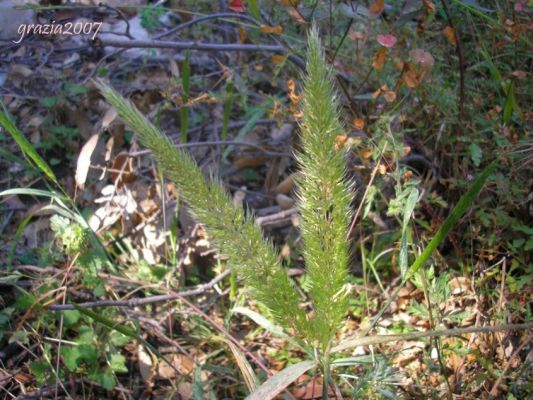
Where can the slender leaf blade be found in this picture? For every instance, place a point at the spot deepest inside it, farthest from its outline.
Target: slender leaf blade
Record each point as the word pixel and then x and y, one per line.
pixel 280 381
pixel 26 147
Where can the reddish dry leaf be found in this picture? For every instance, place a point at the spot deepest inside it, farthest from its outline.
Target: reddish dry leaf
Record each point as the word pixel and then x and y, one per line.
pixel 379 59
pixel 84 160
pixel 83 122
pixel 520 5
pixel 377 7
pixel 249 162
pixel 460 285
pixel 295 99
pixel 421 57
pixel 184 364
pixel 387 41
pixel 366 153
pixel 390 96
pixel 278 59
pixel 340 140
pixel 356 35
pixel 272 30
pixel 429 6
pixel 358 123
pixel 297 16
pixel 236 6
pixel 287 184
pixel 519 74
pixel 122 169
pixel 449 34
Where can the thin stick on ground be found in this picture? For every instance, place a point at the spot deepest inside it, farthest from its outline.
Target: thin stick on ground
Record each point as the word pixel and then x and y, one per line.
pixel 131 303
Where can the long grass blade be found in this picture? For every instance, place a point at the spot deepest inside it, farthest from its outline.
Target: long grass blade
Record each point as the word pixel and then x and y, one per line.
pixel 26 146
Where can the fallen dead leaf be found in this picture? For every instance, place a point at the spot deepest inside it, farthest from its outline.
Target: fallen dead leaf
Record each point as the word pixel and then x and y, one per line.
pixel 377 7
pixel 145 364
pixel 429 6
pixel 387 41
pixel 390 96
pixel 449 34
pixel 379 58
pixel 460 285
pixel 271 30
pixel 84 160
pixel 359 123
pixel 284 201
pixel 278 59
pixel 122 169
pixel 287 184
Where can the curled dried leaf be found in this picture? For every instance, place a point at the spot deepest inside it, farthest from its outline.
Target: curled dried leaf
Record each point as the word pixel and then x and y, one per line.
pixel 387 41
pixel 450 35
pixel 271 30
pixel 84 160
pixel 379 59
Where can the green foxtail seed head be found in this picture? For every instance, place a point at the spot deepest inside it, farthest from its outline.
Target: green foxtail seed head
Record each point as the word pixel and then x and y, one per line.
pixel 324 196
pixel 324 200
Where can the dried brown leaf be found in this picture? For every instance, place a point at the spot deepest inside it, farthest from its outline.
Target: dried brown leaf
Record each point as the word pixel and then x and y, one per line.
pixel 84 160
pixel 379 58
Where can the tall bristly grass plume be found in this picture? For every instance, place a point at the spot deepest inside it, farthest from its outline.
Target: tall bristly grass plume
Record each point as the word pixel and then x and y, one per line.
pixel 324 196
pixel 324 199
pixel 234 234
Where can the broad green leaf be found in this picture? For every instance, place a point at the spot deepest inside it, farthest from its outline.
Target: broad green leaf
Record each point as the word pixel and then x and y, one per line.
pixel 106 379
pixel 88 353
pixel 26 146
pixel 70 357
pixel 71 317
pixel 275 385
pixel 40 370
pixel 117 363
